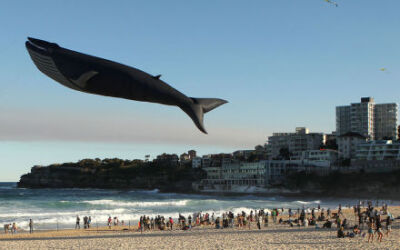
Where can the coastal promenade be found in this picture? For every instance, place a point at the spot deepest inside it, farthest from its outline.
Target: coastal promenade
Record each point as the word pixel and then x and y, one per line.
pixel 275 236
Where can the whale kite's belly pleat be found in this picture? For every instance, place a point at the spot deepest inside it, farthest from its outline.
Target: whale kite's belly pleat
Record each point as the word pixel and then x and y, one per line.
pixel 46 65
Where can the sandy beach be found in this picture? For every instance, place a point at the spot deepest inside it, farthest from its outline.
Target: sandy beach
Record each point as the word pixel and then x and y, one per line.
pixel 275 236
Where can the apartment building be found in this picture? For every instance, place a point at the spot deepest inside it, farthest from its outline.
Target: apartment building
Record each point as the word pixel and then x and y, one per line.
pixel 374 121
pixel 300 140
pixel 378 150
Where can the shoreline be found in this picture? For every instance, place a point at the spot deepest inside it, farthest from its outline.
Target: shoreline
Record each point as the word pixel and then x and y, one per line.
pixel 293 194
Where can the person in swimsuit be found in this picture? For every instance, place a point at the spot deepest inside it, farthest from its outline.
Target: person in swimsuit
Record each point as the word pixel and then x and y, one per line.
pixel 379 228
pixel 370 231
pixel 388 225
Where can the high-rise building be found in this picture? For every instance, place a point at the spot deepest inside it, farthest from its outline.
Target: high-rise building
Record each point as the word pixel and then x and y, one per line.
pixel 343 118
pixel 374 121
pixel 385 117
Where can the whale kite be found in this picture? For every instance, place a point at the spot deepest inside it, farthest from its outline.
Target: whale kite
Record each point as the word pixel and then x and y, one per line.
pixel 96 75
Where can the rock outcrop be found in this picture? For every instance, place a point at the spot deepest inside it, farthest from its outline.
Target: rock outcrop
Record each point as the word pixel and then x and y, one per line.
pixel 113 173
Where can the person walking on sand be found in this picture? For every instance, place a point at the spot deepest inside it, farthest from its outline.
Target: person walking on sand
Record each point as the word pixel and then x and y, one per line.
pixel 379 228
pixel 109 222
pixel 89 221
pixel 171 223
pixel 338 221
pixel 266 220
pixel 141 224
pixel 370 231
pixel 85 220
pixel 6 228
pixel 152 223
pixel 30 226
pixel 77 226
pixel 388 225
pixel 273 214
pixel 14 228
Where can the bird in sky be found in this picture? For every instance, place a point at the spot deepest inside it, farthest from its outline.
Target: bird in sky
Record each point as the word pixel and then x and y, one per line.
pixel 332 2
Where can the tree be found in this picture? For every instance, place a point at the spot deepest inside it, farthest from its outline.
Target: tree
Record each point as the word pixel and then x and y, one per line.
pixel 284 153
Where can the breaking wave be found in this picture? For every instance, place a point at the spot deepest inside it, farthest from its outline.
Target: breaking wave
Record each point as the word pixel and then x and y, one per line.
pixel 137 203
pixel 309 202
pixel 61 214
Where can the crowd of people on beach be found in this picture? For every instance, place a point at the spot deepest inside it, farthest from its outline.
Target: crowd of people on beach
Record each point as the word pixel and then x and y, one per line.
pixel 365 217
pixel 317 217
pixel 371 217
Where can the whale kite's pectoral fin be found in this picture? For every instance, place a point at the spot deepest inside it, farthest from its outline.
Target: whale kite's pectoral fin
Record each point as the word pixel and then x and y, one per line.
pixel 157 77
pixel 82 80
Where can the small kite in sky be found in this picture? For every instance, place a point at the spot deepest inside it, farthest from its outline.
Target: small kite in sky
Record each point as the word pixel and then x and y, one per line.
pixel 385 70
pixel 332 2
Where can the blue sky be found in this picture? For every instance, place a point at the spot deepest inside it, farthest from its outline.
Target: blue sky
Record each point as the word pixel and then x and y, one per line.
pixel 280 64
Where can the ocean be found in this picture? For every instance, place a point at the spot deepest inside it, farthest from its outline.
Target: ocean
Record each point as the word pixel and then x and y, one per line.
pixel 58 208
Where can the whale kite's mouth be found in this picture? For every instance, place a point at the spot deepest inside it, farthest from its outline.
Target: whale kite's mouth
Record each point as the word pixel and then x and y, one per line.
pixel 41 45
pixel 41 53
pixel 35 45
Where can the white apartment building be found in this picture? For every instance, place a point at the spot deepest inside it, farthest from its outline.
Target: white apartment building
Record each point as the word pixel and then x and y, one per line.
pixel 378 150
pixel 244 173
pixel 301 140
pixel 374 121
pixel 317 158
pixel 235 174
pixel 213 173
pixel 347 144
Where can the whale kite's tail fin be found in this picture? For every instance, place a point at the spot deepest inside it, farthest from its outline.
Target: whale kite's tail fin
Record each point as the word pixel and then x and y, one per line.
pixel 200 106
pixel 208 104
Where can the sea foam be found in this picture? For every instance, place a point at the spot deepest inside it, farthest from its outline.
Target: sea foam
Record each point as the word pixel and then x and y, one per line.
pixel 137 203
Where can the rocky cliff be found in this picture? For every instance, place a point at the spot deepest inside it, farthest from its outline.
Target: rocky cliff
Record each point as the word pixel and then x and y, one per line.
pixel 170 176
pixel 113 173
